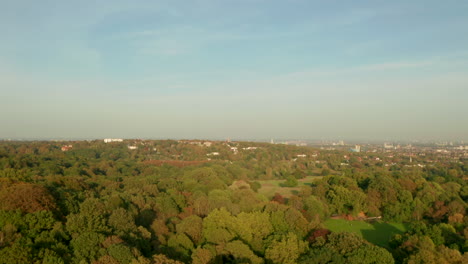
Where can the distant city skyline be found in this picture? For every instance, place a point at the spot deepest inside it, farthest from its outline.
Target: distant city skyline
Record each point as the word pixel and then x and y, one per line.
pixel 290 141
pixel 246 69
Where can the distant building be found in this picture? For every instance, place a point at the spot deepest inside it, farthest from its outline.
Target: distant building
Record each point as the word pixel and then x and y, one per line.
pixel 207 144
pixel 301 155
pixel 339 143
pixel 388 146
pixel 109 140
pixel 357 148
pixel 234 149
pixel 132 147
pixel 250 148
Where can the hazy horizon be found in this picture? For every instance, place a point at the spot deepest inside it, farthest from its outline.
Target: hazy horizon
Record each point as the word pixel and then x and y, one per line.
pixel 247 69
pixel 349 141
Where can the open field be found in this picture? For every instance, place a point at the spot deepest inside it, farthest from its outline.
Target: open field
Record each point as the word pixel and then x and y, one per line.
pixel 378 233
pixel 270 187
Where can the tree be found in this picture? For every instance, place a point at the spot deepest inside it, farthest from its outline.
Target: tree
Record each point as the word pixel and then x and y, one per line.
pixel 345 248
pixel 344 201
pixel 344 243
pixel 218 227
pixel 182 244
pixel 192 226
pixel 253 228
pixel 285 219
pixel 325 172
pixel 255 185
pixel 323 255
pixel 315 209
pixel 201 256
pixel 285 249
pixel 240 251
pixel 161 259
pixel 86 247
pixel 220 199
pixel 26 197
pixel 18 253
pixel 121 253
pixel 291 181
pixel 92 218
pixel 122 222
pixel 370 254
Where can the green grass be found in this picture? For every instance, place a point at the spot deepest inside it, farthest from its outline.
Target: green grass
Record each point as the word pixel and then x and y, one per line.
pixel 378 233
pixel 270 187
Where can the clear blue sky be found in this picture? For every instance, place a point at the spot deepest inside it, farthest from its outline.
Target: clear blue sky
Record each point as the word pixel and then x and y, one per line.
pixel 243 69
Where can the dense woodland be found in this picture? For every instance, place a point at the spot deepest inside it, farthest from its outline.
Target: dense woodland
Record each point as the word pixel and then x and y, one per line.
pixel 188 202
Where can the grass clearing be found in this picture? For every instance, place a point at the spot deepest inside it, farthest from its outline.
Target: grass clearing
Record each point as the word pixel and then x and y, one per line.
pixel 378 233
pixel 270 187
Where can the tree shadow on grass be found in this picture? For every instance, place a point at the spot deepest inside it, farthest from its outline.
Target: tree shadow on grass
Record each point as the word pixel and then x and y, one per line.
pixel 381 234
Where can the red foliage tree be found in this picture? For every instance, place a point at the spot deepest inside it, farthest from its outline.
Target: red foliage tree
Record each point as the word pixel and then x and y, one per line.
pixel 278 198
pixel 321 232
pixel 26 197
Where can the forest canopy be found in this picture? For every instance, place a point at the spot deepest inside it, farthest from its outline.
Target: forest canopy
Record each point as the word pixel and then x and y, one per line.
pixel 146 201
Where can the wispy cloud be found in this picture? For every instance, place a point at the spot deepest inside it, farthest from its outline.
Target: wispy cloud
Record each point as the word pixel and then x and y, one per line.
pixel 436 61
pixel 178 40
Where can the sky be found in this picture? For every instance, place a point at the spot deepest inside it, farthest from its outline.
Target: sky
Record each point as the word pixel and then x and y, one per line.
pixel 239 69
